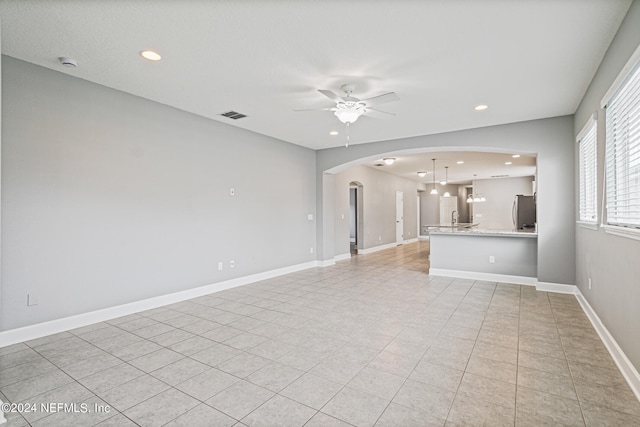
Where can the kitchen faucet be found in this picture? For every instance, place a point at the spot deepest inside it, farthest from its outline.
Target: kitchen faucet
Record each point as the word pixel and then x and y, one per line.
pixel 454 218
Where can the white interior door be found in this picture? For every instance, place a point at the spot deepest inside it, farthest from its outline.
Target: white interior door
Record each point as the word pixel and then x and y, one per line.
pixel 447 206
pixel 399 218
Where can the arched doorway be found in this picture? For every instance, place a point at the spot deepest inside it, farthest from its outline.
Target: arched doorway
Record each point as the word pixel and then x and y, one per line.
pixel 356 233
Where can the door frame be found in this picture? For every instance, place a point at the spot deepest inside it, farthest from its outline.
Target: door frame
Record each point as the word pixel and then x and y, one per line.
pixel 399 217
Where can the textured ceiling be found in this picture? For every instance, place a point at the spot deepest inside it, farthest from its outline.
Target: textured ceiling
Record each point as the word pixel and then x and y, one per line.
pixel 526 59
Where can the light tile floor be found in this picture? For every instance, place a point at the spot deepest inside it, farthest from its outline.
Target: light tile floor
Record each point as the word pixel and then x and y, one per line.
pixel 370 341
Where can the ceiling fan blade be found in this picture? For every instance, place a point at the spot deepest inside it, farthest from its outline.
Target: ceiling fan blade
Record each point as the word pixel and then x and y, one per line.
pixel 315 109
pixel 332 96
pixel 377 114
pixel 381 99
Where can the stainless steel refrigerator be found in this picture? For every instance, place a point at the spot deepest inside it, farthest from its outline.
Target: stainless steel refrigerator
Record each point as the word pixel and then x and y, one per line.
pixel 524 212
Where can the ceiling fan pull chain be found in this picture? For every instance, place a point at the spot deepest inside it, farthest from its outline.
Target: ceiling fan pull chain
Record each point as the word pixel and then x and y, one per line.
pixel 346 145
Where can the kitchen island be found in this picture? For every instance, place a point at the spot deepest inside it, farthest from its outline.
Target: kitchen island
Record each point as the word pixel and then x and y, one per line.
pixel 496 255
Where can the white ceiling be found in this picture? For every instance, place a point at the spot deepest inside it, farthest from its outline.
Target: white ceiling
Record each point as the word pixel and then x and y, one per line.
pixel 526 59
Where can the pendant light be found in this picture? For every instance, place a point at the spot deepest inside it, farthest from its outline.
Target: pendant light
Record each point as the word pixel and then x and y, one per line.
pixel 475 197
pixel 434 190
pixel 446 180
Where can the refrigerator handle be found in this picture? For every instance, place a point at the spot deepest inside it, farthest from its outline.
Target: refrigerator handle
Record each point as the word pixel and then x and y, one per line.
pixel 513 213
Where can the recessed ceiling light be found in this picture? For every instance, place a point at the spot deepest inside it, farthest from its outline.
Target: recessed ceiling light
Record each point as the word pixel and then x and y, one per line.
pixel 389 161
pixel 333 133
pixel 515 156
pixel 150 55
pixel 481 107
pixel 507 163
pixel 422 174
pixel 460 162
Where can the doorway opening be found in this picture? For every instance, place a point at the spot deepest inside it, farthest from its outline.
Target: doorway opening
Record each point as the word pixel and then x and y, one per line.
pixel 356 235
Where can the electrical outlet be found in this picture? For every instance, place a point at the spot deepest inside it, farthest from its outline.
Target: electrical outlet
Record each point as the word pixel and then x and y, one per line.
pixel 232 191
pixel 220 265
pixel 311 250
pixel 492 259
pixel 589 282
pixel 232 264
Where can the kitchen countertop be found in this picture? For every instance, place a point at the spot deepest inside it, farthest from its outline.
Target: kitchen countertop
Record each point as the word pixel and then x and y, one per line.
pixel 483 232
pixel 457 225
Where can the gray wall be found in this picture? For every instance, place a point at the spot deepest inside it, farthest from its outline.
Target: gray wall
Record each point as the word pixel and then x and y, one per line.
pixel 109 198
pixel 495 213
pixel 514 256
pixel 610 261
pixel 463 206
pixel 552 140
pixel 379 208
pixel 429 209
pixel 430 203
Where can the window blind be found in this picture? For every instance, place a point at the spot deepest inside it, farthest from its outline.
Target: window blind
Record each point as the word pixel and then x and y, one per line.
pixel 623 153
pixel 587 149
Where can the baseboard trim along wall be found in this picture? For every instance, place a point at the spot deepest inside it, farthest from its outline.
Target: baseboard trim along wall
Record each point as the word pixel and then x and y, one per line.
pixel 30 332
pixel 490 277
pixel 627 369
pixel 38 330
pixel 557 288
pixel 377 248
pixel 342 257
pixel 625 366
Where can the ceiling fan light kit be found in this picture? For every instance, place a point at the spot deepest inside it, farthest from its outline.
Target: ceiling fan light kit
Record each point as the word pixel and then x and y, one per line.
pixel 348 108
pixel 348 115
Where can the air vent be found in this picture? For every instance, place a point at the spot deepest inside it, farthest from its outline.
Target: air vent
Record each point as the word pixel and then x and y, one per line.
pixel 233 115
pixel 379 164
pixel 499 176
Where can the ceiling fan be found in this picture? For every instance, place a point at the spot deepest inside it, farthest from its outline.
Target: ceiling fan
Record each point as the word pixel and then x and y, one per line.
pixel 349 108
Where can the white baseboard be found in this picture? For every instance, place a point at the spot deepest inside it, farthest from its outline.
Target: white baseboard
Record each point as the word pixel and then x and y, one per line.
pixel 557 288
pixel 627 369
pixel 326 263
pixel 415 239
pixel 377 248
pixel 625 366
pixel 38 330
pixel 422 237
pixel 342 257
pixel 490 277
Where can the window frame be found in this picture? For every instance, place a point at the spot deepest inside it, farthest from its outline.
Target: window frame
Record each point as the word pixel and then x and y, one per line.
pixel 630 72
pixel 587 141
